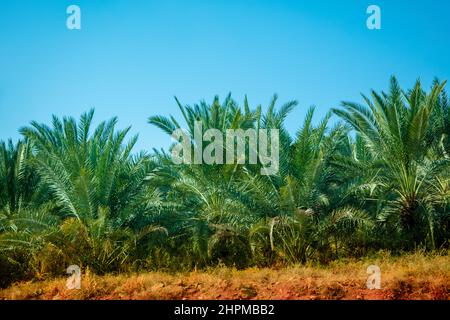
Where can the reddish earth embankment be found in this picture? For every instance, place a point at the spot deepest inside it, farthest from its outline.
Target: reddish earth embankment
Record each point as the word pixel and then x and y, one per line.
pixel 408 277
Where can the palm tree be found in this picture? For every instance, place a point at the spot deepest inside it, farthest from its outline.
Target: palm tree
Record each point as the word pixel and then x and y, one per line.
pixel 283 213
pixel 313 216
pixel 98 187
pixel 394 127
pixel 217 207
pixel 25 218
pixel 18 181
pixel 71 194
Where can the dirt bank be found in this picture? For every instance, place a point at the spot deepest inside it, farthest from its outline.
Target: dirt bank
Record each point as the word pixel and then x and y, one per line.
pixel 408 277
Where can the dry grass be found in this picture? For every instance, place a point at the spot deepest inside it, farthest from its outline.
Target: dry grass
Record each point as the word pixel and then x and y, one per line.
pixel 413 276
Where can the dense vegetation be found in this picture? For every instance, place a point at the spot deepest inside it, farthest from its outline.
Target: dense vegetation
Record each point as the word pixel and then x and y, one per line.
pixel 377 179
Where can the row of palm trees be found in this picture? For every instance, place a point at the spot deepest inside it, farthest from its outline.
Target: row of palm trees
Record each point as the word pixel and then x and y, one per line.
pixel 377 179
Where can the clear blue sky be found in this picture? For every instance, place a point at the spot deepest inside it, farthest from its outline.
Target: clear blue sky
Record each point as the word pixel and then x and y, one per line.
pixel 131 57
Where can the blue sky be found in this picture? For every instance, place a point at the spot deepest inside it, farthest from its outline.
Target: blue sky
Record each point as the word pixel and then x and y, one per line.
pixel 131 57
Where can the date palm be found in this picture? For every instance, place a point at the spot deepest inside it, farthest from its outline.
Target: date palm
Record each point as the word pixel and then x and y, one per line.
pixel 234 202
pixel 18 181
pixel 394 127
pixel 310 215
pixel 97 185
pixel 25 218
pixel 217 206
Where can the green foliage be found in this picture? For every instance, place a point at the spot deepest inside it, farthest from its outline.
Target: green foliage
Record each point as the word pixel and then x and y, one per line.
pixel 378 179
pixel 406 164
